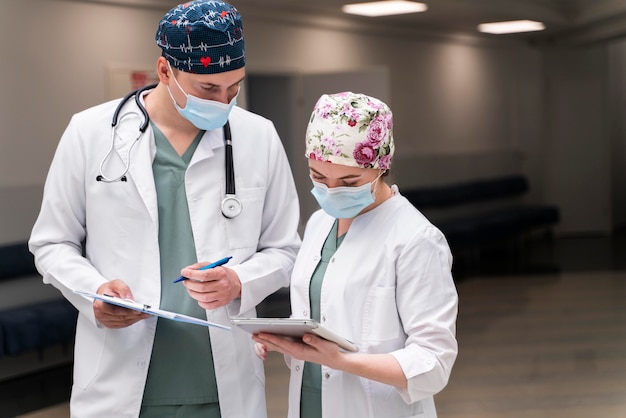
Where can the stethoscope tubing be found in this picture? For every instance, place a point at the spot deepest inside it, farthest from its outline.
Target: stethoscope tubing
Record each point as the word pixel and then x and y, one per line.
pixel 231 205
pixel 137 94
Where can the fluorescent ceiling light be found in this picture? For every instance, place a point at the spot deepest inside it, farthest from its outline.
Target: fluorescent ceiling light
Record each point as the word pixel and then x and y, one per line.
pixel 384 8
pixel 513 26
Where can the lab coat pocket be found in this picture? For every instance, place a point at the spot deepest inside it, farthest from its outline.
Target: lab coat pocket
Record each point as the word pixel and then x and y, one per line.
pixel 244 230
pixel 381 315
pixel 89 348
pixel 259 367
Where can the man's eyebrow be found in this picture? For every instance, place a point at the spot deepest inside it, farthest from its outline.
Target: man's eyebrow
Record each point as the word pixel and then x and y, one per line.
pixel 207 84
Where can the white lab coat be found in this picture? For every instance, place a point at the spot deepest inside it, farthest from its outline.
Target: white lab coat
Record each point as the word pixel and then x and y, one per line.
pixel 118 223
pixel 389 289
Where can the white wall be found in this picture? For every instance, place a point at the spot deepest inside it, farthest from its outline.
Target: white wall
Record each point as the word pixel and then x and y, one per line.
pixel 447 97
pixel 463 108
pixel 56 56
pixel 577 143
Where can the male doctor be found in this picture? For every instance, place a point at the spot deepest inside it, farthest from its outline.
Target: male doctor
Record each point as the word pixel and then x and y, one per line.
pixel 129 220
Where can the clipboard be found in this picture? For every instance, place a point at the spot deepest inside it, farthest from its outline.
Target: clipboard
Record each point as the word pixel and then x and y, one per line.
pixel 136 306
pixel 292 327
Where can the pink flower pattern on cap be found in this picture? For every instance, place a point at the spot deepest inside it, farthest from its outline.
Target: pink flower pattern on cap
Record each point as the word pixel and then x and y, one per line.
pixel 351 129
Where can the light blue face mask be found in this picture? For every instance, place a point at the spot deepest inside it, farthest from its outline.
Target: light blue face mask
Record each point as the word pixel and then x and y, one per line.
pixel 204 114
pixel 344 202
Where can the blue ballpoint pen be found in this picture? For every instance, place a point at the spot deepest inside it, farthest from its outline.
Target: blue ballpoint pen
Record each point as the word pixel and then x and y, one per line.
pixel 208 266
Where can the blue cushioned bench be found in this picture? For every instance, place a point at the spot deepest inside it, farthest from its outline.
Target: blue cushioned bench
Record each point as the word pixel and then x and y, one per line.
pixel 474 213
pixel 33 315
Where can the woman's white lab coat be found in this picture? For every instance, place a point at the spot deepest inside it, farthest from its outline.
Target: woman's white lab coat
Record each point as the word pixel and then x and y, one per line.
pixel 389 289
pixel 118 223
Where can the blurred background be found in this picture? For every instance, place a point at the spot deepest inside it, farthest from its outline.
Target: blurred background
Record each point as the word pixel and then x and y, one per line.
pixel 470 109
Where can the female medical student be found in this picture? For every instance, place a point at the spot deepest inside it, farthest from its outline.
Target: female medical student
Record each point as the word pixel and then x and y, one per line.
pixel 372 269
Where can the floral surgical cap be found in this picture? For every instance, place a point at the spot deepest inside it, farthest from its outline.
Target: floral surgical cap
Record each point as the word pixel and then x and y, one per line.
pixel 351 129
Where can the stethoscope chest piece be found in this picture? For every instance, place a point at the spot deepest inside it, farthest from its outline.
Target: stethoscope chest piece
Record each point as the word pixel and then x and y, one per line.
pixel 231 206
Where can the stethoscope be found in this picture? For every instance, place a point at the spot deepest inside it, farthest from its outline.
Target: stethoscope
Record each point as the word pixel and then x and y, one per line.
pixel 231 205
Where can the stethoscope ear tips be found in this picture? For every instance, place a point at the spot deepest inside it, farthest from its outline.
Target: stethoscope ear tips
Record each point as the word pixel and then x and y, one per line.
pixel 100 178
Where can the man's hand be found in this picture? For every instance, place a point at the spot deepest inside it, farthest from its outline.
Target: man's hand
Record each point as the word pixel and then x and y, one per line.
pixel 212 288
pixel 113 316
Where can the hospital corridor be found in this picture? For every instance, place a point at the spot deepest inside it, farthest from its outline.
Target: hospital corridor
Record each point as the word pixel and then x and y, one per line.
pixel 541 337
pixel 509 139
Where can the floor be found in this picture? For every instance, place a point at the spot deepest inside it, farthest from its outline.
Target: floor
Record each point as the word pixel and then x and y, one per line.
pixel 541 335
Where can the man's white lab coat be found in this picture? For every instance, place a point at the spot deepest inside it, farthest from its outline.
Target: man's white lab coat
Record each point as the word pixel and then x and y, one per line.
pixel 118 223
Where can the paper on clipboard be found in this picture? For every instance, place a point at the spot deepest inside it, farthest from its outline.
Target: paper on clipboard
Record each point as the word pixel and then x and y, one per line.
pixel 136 306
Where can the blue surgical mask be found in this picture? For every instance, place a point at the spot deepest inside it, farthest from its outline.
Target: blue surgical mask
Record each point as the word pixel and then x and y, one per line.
pixel 204 114
pixel 344 202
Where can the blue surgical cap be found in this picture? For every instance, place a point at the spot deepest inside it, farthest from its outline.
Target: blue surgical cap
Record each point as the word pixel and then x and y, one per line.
pixel 202 37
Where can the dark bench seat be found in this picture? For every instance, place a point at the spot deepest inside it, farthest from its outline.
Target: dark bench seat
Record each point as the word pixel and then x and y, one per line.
pixel 33 316
pixel 482 211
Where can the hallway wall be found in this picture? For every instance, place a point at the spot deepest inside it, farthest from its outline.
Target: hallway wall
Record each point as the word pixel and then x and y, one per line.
pixel 463 107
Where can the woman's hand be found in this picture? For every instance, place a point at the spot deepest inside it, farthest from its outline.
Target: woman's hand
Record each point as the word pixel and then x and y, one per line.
pixel 382 368
pixel 260 350
pixel 310 348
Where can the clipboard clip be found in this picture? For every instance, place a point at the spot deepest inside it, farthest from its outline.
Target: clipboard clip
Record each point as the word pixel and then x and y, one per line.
pixel 137 305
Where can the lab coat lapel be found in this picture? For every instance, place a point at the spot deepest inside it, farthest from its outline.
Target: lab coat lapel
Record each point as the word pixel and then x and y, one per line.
pixel 318 240
pixel 210 141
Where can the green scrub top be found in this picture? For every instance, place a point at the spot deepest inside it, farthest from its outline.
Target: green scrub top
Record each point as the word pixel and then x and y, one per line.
pixel 311 392
pixel 181 367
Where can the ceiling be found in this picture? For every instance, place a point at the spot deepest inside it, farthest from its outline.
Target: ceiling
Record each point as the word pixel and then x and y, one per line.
pixel 567 21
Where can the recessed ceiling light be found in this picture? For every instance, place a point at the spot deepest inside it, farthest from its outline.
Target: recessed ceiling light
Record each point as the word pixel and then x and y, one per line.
pixel 384 8
pixel 513 26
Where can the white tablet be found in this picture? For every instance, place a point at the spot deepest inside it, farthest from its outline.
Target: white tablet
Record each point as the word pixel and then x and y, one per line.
pixel 292 327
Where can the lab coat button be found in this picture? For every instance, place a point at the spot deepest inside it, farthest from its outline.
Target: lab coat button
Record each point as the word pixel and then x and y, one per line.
pixel 323 319
pixel 326 375
pixel 332 260
pixel 305 313
pixel 297 368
